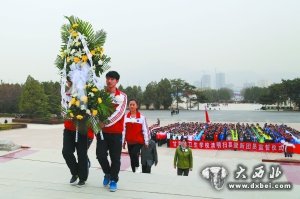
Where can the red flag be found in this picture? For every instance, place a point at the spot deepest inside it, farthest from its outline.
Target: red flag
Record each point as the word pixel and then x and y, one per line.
pixel 206 116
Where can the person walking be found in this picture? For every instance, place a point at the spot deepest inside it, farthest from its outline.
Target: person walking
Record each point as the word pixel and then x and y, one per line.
pixel 75 140
pixel 112 130
pixel 135 134
pixel 148 157
pixel 183 158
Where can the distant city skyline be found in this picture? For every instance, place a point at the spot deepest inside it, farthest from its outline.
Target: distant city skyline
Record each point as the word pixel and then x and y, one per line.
pixel 249 41
pixel 211 81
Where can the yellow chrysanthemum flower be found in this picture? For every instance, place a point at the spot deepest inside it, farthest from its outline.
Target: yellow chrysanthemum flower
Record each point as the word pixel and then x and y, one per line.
pixel 75 25
pixel 71 115
pixel 84 99
pixel 94 112
pixel 84 58
pixel 79 117
pixel 94 89
pixel 101 49
pixel 77 103
pixel 74 34
pixel 62 54
pixel 76 59
pixel 72 101
pixel 93 52
pixel 99 100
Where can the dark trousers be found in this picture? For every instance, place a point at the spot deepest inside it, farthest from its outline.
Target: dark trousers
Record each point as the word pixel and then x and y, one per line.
pixel 159 143
pixel 90 141
pixel 134 153
pixel 146 169
pixel 79 168
pixel 185 172
pixel 168 142
pixel 112 143
pixel 288 154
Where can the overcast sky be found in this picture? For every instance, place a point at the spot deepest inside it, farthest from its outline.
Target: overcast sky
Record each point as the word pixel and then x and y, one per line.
pixel 147 40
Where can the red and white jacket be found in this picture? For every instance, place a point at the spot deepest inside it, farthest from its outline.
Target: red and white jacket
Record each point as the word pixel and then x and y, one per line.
pixel 116 120
pixel 135 129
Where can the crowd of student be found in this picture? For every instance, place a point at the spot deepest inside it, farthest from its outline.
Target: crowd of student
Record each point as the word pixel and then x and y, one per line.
pixel 244 132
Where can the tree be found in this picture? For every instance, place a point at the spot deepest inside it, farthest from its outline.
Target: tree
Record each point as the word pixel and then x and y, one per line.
pixel 266 99
pixel 180 89
pixel 188 90
pixel 121 88
pixel 165 93
pixel 211 95
pixel 278 93
pixel 292 89
pixel 34 101
pixel 225 94
pixel 253 94
pixel 150 95
pixel 134 92
pixel 10 96
pixel 201 98
pixel 52 91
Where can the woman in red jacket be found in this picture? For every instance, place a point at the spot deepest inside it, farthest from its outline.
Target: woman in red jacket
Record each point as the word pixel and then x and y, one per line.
pixel 135 133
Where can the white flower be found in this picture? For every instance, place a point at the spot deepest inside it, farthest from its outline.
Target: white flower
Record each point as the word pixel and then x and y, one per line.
pixel 73 43
pixel 72 51
pixel 62 54
pixel 91 94
pixel 100 62
pixel 82 107
pixel 88 111
pixel 78 53
pixel 74 94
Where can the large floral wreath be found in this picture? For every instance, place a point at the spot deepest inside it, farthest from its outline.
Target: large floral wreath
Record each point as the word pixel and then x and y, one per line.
pixel 82 61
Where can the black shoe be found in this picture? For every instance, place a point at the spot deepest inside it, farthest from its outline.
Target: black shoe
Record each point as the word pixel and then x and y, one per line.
pixel 133 168
pixel 73 180
pixel 81 183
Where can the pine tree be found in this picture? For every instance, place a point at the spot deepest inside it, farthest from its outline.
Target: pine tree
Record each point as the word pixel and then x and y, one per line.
pixel 33 100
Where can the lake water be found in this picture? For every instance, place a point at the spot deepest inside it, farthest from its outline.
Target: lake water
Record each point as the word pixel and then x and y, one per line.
pixel 223 116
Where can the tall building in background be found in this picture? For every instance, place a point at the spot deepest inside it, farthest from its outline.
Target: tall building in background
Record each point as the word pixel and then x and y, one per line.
pixel 220 80
pixel 205 82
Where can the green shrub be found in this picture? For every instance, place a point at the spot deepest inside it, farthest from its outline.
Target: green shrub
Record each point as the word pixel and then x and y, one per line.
pixel 5 126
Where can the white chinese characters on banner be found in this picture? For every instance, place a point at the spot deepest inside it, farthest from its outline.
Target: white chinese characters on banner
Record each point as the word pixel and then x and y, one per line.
pixel 230 145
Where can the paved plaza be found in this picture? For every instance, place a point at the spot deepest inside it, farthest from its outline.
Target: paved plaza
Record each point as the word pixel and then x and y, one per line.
pixel 38 170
